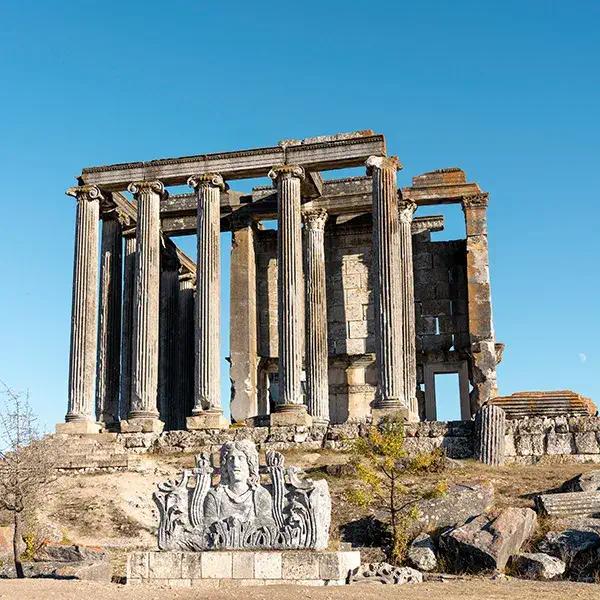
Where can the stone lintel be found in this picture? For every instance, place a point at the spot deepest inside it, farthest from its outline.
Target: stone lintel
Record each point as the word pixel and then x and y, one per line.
pixel 440 194
pixel 332 153
pixel 432 223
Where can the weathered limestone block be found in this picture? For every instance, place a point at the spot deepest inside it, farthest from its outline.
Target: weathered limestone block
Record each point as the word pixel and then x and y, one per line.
pixel 239 512
pixel 569 504
pixel 422 553
pixel 560 443
pixel 585 482
pixel 530 445
pixel 537 566
pixel 487 543
pixel 489 435
pixel 378 573
pixel 586 443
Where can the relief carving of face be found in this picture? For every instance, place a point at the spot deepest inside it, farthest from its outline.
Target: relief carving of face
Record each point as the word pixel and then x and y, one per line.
pixel 237 466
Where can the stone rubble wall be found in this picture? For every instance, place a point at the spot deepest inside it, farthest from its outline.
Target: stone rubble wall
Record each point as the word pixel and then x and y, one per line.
pixel 216 569
pixel 526 441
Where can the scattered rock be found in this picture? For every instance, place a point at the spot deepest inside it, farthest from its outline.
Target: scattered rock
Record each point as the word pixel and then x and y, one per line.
pixel 421 553
pixel 585 482
pixel 537 566
pixel 460 503
pixel 487 542
pixel 385 573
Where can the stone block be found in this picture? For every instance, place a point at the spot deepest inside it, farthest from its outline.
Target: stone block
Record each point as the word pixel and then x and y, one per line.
pixel 142 426
pixel 299 565
pixel 357 329
pixel 217 565
pixel 164 565
pixel 530 445
pixel 191 565
pixel 267 565
pixel 206 583
pixel 137 565
pixel 208 420
pixel 179 583
pixel 78 427
pixel 291 417
pixel 243 565
pixel 560 443
pixel 586 443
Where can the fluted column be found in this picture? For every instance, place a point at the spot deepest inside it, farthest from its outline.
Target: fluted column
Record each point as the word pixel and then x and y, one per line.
pixel 406 210
pixel 185 351
pixel 82 360
pixel 289 286
pixel 490 426
pixel 387 289
pixel 127 321
pixel 109 323
pixel 207 392
pixel 144 388
pixel 315 313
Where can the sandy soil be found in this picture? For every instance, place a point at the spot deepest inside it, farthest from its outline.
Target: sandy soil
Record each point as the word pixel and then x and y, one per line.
pixel 456 590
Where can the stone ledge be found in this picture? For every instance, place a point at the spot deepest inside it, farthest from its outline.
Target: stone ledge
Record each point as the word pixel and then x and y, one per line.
pixel 241 568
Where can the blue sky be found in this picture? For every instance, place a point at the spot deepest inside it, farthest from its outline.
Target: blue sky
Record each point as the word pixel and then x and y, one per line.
pixel 509 91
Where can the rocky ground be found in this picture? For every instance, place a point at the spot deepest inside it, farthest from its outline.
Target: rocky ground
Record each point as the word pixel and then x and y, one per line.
pixel 476 589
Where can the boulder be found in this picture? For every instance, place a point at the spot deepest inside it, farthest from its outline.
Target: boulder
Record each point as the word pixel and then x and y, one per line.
pixel 385 573
pixel 69 553
pixel 536 566
pixel 487 542
pixel 585 482
pixel 421 553
pixel 460 503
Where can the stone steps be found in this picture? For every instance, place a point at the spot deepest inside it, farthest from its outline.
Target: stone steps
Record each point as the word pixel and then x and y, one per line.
pixel 569 504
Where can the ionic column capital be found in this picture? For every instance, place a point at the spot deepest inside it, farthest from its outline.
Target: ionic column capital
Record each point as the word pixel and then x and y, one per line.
pixel 153 187
pixel 406 210
pixel 207 180
pixel 286 172
pixel 382 162
pixel 315 219
pixel 88 193
pixel 475 201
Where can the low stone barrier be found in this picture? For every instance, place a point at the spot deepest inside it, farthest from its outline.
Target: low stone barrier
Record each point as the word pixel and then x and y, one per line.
pixel 241 568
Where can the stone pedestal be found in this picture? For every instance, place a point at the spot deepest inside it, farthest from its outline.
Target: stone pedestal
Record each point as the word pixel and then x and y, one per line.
pixel 144 387
pixel 207 394
pixel 387 291
pixel 315 312
pixel 82 366
pixel 406 209
pixel 109 324
pixel 208 419
pixel 289 286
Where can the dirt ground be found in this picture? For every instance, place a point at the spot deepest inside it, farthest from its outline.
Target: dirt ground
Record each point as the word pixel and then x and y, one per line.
pixel 41 589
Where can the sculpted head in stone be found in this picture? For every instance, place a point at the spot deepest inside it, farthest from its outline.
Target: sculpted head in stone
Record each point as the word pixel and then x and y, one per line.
pixel 239 494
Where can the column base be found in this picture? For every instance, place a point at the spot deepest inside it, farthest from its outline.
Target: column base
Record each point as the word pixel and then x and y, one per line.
pixel 78 427
pixel 399 411
pixel 290 414
pixel 142 425
pixel 207 420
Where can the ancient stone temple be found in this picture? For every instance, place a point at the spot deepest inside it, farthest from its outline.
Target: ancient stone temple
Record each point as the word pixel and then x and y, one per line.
pixel 345 311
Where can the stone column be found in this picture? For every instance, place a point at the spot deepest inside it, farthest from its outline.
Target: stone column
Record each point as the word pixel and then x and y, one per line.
pixel 80 416
pixel 290 408
pixel 315 313
pixel 481 328
pixel 243 323
pixel 143 413
pixel 207 412
pixel 387 272
pixel 127 322
pixel 168 336
pixel 185 351
pixel 490 426
pixel 109 324
pixel 406 210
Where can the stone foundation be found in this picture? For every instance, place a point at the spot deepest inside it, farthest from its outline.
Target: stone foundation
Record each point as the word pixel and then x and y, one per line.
pixel 241 568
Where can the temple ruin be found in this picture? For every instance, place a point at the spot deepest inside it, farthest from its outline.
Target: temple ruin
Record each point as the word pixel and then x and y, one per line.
pixel 346 311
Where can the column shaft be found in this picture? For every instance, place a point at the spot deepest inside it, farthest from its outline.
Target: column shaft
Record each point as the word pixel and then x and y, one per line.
pixel 146 301
pixel 109 324
pixel 82 364
pixel 127 323
pixel 185 351
pixel 289 284
pixel 407 284
pixel 387 289
pixel 207 394
pixel 315 312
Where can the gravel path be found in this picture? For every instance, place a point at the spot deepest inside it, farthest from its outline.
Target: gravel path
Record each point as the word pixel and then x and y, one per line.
pixel 40 589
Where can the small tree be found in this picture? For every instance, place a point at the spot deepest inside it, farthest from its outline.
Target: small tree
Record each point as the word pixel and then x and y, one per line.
pixel 384 472
pixel 27 462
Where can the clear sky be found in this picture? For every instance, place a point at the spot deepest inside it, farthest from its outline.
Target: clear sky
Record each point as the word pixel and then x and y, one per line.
pixel 509 91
